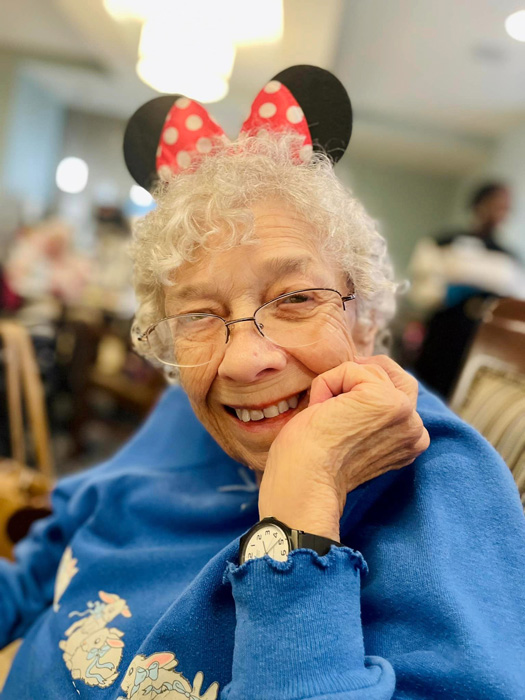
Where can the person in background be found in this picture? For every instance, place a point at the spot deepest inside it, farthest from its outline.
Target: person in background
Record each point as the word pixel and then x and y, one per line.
pixel 44 269
pixel 453 278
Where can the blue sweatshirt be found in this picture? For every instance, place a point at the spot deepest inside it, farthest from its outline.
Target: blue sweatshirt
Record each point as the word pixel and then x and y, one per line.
pixel 133 589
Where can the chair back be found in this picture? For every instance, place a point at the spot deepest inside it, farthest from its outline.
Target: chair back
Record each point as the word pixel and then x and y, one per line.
pixel 490 392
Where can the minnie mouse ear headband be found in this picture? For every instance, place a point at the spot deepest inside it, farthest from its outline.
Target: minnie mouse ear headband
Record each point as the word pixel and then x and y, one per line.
pixel 168 133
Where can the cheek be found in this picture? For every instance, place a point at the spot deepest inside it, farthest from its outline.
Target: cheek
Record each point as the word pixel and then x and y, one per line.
pixel 196 383
pixel 334 347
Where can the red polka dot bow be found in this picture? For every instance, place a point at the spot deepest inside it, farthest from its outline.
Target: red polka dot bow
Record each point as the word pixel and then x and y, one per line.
pixel 189 131
pixel 169 134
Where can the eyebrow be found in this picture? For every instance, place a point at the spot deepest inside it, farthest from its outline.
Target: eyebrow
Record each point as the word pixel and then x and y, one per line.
pixel 274 267
pixel 282 266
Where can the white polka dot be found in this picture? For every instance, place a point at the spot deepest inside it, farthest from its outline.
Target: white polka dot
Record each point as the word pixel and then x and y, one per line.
pixel 194 122
pixel 165 172
pixel 294 114
pixel 159 152
pixel 171 135
pixel 305 153
pixel 267 110
pixel 272 86
pixel 182 102
pixel 204 145
pixel 183 159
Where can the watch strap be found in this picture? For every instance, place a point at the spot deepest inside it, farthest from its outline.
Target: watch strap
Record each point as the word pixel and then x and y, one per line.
pixel 321 545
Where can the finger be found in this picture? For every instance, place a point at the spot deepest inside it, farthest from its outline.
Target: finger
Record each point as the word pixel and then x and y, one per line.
pixel 342 379
pixel 401 379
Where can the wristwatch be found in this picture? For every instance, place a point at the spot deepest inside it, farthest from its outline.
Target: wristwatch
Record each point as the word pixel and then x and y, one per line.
pixel 272 537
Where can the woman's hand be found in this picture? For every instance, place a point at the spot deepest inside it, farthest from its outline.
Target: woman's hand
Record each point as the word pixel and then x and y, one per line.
pixel 360 423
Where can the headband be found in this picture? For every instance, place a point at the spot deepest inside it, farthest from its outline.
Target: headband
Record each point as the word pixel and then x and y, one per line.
pixel 169 133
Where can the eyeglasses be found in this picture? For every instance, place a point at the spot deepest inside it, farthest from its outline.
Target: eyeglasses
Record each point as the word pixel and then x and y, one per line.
pixel 292 320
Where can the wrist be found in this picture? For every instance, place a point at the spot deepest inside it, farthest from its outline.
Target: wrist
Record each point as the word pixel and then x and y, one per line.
pixel 323 524
pixel 313 528
pixel 302 498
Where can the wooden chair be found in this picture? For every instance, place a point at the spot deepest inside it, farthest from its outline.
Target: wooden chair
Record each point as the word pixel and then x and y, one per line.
pixel 490 392
pixel 23 491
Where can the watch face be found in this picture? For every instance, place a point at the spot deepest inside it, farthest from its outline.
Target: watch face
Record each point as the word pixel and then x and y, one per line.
pixel 267 539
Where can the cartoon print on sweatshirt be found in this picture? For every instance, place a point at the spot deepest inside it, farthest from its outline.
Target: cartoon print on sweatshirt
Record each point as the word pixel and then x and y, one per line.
pixel 152 677
pixel 66 570
pixel 92 650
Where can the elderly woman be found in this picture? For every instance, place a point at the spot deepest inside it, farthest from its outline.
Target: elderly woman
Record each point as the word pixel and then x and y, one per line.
pixel 224 557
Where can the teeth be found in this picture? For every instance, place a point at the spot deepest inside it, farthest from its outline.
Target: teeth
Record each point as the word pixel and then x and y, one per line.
pixel 271 411
pixel 246 415
pixel 293 402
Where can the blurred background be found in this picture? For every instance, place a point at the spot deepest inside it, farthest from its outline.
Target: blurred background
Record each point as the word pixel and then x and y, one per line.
pixel 438 90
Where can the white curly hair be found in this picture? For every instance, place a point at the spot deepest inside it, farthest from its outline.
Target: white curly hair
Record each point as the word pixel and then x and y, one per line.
pixel 215 196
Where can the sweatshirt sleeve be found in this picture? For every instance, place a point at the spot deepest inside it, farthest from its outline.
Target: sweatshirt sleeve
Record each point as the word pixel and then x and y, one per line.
pixel 26 585
pixel 298 632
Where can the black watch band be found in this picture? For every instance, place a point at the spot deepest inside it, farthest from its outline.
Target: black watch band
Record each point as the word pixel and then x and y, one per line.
pixel 319 544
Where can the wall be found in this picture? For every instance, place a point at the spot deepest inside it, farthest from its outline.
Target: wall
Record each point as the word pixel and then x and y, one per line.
pixel 97 140
pixel 407 203
pixel 32 137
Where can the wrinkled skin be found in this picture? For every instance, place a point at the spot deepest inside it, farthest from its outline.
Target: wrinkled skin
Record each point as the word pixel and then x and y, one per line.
pixel 357 418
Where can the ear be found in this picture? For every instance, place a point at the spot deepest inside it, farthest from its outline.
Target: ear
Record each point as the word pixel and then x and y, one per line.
pixel 326 106
pixel 115 643
pixel 165 135
pixel 162 658
pixel 142 136
pixel 108 597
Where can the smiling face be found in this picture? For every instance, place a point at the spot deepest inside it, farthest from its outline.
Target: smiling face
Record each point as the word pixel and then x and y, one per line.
pixel 237 395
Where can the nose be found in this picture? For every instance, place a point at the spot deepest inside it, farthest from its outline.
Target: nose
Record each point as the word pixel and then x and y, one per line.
pixel 248 356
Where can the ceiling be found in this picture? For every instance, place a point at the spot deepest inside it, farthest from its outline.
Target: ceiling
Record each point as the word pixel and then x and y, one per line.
pixel 433 83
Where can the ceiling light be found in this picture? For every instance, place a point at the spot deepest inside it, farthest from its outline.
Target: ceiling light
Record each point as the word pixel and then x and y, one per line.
pixel 160 74
pixel 515 25
pixel 140 196
pixel 72 175
pixel 179 65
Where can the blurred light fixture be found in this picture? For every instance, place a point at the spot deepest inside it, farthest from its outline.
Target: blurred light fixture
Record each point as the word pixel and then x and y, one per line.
pixel 140 196
pixel 515 25
pixel 188 46
pixel 72 175
pixel 127 9
pixel 196 61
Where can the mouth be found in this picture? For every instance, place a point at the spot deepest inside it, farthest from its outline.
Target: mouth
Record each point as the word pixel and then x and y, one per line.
pixel 266 414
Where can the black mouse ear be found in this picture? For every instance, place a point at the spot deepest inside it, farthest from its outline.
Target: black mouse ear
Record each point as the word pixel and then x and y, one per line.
pixel 326 106
pixel 142 137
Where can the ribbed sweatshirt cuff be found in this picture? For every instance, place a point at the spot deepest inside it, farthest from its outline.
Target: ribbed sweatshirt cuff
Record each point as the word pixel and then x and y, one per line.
pixel 298 632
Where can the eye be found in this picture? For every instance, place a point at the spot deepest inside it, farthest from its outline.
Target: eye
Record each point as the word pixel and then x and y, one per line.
pixel 296 299
pixel 197 319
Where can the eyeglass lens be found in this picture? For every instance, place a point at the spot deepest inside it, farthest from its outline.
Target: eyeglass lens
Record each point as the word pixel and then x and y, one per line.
pixel 295 320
